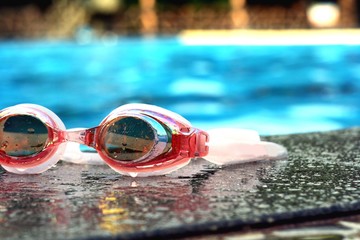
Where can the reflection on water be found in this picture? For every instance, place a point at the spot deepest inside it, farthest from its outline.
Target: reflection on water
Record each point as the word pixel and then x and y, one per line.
pixel 113 214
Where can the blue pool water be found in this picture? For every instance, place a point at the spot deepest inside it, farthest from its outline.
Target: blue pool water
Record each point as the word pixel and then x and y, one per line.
pixel 272 89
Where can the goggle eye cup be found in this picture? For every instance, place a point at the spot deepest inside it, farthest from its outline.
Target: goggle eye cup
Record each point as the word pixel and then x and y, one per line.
pixel 22 135
pixel 133 139
pixel 27 136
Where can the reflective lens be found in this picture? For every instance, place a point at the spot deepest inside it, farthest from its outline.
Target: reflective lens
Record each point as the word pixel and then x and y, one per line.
pixel 129 138
pixel 22 135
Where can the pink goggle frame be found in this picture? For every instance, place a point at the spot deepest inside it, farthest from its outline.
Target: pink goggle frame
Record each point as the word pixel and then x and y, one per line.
pixel 134 139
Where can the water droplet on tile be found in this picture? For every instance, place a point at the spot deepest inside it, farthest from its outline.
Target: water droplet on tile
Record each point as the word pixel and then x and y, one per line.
pixel 133 174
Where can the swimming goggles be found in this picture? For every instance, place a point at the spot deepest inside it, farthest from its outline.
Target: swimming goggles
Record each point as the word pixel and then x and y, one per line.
pixel 134 139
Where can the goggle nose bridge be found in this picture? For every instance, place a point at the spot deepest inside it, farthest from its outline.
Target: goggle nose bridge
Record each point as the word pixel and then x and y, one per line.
pixel 84 136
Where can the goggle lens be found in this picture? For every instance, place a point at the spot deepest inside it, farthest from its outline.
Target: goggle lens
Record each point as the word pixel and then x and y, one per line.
pixel 22 135
pixel 128 139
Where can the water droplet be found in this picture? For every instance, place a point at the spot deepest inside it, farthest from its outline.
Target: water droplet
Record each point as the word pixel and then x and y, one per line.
pixel 133 174
pixel 4 145
pixel 31 130
pixel 134 183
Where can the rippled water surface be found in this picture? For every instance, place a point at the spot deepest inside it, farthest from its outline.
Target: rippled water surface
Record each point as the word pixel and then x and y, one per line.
pixel 272 89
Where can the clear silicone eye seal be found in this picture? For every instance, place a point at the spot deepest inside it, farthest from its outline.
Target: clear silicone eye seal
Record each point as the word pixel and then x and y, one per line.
pixel 134 139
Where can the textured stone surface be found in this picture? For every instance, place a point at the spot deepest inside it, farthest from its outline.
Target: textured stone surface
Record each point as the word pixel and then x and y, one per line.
pixel 320 179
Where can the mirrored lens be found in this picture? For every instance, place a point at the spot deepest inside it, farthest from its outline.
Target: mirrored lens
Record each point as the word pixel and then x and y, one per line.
pixel 22 135
pixel 129 138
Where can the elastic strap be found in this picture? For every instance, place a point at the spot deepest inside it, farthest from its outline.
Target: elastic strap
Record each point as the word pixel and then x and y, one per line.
pixel 231 145
pixel 74 154
pixel 226 146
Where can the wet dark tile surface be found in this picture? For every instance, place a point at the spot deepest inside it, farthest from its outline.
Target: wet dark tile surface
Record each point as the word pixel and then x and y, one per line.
pixel 320 179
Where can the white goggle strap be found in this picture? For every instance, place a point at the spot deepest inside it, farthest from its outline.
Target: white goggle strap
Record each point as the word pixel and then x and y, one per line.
pixel 231 146
pixel 226 146
pixel 74 154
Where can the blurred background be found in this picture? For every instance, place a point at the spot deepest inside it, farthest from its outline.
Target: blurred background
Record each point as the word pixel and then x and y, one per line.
pixel 276 66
